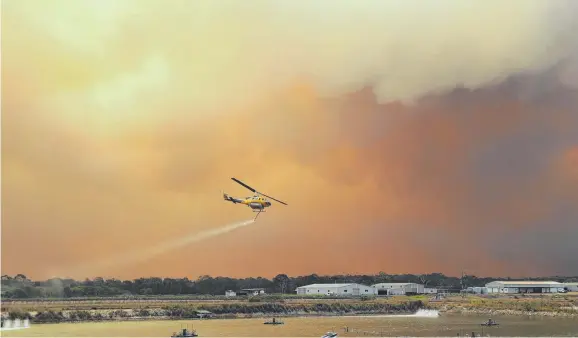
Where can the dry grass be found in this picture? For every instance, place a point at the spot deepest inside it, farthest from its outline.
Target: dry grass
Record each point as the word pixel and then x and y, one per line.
pixel 565 303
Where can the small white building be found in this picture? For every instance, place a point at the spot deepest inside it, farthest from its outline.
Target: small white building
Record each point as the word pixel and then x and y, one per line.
pixel 430 290
pixel 344 289
pixel 399 288
pixel 230 293
pixel 571 287
pixel 524 287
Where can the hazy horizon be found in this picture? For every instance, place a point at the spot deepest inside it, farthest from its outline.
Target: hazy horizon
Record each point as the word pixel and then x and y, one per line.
pixel 200 276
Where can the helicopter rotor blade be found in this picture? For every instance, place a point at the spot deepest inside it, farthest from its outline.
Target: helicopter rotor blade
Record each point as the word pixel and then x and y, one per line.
pixel 274 199
pixel 243 184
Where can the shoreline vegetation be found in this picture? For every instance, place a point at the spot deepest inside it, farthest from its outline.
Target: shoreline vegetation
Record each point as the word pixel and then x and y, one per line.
pixel 63 311
pixel 66 300
pixel 254 307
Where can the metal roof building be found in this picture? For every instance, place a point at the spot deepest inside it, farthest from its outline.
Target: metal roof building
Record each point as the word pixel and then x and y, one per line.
pixel 343 289
pixel 524 287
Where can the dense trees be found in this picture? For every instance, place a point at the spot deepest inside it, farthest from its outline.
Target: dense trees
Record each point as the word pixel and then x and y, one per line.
pixel 19 286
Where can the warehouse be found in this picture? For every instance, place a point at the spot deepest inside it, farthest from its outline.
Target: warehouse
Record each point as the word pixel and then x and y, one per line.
pixel 345 289
pixel 398 288
pixel 524 287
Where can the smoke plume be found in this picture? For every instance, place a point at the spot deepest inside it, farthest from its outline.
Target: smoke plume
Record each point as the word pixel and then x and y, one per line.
pixel 443 132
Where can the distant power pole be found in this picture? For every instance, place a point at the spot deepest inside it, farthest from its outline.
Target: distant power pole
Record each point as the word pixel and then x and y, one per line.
pixel 463 283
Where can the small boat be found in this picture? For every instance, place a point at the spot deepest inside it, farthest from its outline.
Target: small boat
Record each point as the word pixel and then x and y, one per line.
pixel 185 333
pixel 490 322
pixel 274 322
pixel 330 334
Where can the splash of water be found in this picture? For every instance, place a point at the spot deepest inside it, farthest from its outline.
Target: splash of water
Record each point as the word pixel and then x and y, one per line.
pixel 150 252
pixel 16 324
pixel 427 313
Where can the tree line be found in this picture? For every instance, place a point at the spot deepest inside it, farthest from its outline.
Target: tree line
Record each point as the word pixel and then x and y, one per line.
pixel 21 287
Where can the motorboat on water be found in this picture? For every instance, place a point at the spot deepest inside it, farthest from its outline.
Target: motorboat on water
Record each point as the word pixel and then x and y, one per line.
pixel 185 333
pixel 329 334
pixel 490 322
pixel 274 322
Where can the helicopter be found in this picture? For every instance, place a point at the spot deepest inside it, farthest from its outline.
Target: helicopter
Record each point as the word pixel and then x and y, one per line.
pixel 258 202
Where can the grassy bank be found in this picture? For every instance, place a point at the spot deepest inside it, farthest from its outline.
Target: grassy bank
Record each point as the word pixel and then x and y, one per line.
pixel 544 305
pixel 75 310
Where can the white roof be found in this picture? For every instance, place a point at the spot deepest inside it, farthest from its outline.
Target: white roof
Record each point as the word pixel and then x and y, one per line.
pixel 328 285
pixel 525 282
pixel 571 283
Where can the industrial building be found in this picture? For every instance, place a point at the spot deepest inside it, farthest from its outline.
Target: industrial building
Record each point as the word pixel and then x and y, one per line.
pixel 345 289
pixel 524 287
pixel 394 289
pixel 571 287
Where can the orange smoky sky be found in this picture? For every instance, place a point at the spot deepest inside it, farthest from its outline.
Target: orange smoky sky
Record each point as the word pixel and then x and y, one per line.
pixel 405 137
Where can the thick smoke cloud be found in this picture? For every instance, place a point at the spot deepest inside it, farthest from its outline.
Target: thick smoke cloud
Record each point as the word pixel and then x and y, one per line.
pixel 445 131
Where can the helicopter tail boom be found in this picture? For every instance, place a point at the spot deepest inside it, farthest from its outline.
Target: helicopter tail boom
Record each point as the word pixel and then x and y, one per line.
pixel 226 197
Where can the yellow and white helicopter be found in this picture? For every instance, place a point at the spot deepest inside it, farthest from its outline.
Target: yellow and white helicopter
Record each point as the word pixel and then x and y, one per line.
pixel 257 202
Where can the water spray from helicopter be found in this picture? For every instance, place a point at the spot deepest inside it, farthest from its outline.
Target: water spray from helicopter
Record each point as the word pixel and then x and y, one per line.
pixel 170 245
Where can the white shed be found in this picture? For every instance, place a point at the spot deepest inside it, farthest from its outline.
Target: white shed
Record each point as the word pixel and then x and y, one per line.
pixel 230 293
pixel 399 288
pixel 524 287
pixel 344 289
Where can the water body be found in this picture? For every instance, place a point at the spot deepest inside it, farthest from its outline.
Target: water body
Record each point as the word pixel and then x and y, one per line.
pixel 424 324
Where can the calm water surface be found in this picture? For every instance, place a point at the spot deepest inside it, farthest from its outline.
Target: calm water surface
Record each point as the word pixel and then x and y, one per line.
pixel 446 325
